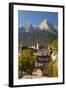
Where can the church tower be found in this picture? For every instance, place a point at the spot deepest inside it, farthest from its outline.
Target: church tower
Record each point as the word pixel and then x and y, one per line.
pixel 37 46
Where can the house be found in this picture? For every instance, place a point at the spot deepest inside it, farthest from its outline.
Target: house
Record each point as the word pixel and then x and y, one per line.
pixel 42 64
pixel 54 55
pixel 42 61
pixel 37 72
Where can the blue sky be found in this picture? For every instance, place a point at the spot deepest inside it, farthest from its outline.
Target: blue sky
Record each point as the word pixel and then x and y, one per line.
pixel 36 17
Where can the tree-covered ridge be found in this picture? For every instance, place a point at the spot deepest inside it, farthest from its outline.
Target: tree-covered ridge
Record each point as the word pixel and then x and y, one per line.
pixel 43 37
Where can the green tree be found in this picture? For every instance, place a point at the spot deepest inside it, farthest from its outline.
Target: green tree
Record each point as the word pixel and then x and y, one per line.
pixel 50 69
pixel 53 65
pixel 53 69
pixel 54 44
pixel 27 60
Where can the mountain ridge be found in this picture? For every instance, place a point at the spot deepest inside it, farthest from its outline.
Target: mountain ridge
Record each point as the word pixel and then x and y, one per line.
pixel 45 35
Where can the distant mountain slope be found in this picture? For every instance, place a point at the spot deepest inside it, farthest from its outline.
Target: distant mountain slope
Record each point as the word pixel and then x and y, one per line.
pixel 44 34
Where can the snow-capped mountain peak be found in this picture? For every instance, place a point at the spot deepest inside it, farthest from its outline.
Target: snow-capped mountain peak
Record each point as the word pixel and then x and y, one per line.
pixel 44 25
